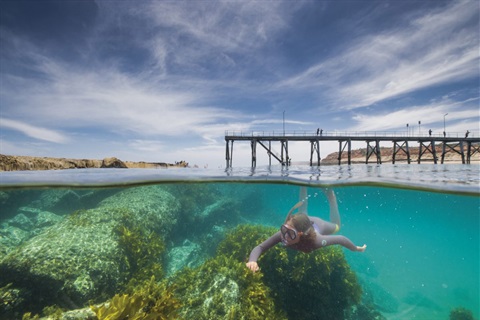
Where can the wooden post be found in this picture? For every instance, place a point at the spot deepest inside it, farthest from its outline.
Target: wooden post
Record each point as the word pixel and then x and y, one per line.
pixel 379 156
pixel 430 147
pixel 253 145
pixel 227 154
pixel 341 148
pixel 269 153
pixel 461 152
pixel 373 150
pixel 447 147
pixel 400 147
pixel 286 160
pixel 349 153
pixel 314 148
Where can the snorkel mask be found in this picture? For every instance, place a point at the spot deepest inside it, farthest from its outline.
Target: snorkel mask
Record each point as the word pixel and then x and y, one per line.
pixel 287 231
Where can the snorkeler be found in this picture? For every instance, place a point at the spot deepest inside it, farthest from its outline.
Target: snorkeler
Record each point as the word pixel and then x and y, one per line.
pixel 304 233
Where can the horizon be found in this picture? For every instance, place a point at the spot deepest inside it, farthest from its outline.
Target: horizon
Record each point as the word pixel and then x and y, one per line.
pixel 164 81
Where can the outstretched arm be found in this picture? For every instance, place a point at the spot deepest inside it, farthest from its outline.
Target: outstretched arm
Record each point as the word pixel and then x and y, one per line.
pixel 325 241
pixel 260 249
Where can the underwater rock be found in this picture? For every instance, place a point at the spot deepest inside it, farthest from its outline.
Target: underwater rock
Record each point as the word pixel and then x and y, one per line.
pixel 152 208
pixel 364 312
pixel 81 258
pixel 46 219
pixel 374 294
pixel 362 263
pixel 12 200
pixel 60 201
pixel 420 300
pixel 33 220
pixel 21 221
pixel 78 314
pixel 220 210
pixel 186 255
pixel 217 217
pixel 11 237
pixel 27 222
pixel 23 226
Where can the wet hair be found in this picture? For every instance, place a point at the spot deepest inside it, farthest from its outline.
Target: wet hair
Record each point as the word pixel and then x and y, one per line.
pixel 301 222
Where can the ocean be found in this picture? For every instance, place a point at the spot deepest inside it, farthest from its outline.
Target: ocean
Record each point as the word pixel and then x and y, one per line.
pixel 72 239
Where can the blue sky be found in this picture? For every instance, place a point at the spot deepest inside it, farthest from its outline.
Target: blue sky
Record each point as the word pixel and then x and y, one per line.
pixel 163 80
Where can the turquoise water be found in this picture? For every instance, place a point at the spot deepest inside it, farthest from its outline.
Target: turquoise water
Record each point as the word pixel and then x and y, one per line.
pixel 420 222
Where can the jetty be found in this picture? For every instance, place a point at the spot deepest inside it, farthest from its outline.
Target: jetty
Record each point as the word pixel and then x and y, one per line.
pixel 462 144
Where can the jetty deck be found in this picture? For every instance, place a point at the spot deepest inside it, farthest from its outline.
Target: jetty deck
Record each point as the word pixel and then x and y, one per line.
pixel 465 146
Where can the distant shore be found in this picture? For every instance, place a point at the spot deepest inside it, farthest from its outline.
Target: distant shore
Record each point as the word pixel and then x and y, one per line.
pixel 358 156
pixel 16 163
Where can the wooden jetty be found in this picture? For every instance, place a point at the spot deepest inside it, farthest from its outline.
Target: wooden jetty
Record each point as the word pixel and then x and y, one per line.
pixel 465 146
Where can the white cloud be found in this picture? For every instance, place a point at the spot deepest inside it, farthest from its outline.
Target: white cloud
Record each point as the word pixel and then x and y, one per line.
pixel 429 115
pixel 34 131
pixel 435 48
pixel 118 103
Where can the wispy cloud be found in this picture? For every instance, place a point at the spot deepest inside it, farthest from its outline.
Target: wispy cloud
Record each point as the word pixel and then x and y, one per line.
pixel 114 101
pixel 388 120
pixel 34 131
pixel 438 47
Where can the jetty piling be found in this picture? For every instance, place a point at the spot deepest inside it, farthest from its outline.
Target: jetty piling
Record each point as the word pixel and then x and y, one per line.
pixel 427 146
pixel 400 147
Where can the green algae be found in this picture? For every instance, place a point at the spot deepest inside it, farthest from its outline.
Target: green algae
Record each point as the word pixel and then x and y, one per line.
pixel 222 288
pixel 150 301
pixel 142 253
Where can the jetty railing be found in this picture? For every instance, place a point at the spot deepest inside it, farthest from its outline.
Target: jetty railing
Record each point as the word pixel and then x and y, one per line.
pixel 464 144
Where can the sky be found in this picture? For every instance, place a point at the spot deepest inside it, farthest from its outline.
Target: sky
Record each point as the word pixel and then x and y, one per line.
pixel 162 81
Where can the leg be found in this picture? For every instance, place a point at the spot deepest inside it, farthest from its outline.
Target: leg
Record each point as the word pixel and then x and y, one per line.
pixel 303 197
pixel 334 214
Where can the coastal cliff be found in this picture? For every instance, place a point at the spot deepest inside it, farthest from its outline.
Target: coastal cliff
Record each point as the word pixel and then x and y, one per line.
pixel 14 163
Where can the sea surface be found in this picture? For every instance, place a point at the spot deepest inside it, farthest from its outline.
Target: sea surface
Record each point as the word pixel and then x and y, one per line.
pixel 420 223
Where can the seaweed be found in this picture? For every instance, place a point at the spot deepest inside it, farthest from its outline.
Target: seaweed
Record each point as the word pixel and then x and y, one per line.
pixel 142 253
pixel 151 300
pixel 222 288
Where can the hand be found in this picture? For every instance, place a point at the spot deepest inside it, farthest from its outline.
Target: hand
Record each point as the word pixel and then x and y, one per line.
pixel 252 265
pixel 362 248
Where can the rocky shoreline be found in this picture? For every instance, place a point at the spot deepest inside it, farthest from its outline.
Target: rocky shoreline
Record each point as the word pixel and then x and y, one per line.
pixel 15 163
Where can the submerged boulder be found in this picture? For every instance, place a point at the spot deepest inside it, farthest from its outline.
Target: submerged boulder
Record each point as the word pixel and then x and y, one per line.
pixel 85 257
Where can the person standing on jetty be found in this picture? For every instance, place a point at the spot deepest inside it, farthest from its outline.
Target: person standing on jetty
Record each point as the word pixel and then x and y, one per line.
pixel 304 233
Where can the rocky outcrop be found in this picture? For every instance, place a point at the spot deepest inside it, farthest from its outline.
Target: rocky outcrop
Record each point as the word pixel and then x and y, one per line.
pixel 14 163
pixel 113 163
pixel 83 257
